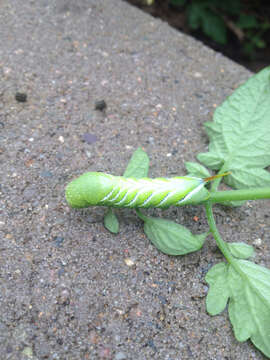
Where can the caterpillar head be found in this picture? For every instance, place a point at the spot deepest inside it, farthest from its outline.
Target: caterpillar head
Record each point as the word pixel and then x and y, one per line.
pixel 88 189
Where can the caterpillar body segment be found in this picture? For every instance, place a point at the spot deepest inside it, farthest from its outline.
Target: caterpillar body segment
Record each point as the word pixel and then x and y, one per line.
pixel 95 188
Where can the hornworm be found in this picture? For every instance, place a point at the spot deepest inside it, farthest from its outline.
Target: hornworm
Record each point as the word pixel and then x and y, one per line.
pixel 96 188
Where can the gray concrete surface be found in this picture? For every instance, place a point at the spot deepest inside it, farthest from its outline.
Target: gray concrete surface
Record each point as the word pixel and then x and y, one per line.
pixel 67 290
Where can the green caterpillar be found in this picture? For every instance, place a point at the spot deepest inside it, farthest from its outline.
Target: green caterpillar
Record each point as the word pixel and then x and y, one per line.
pixel 95 188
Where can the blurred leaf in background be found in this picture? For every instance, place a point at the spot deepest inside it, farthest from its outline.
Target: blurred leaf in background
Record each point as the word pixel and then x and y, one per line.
pixel 217 19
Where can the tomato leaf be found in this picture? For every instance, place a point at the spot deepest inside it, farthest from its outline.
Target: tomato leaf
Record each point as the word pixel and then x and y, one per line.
pixel 172 238
pixel 214 26
pixel 196 169
pixel 138 165
pixel 218 293
pixel 111 222
pixel 247 287
pixel 241 250
pixel 240 134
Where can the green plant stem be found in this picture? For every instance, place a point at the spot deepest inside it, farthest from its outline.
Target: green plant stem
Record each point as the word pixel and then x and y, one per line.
pixel 237 195
pixel 213 228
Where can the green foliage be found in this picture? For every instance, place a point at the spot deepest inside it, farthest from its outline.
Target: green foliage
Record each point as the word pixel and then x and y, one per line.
pixel 247 21
pixel 201 15
pixel 197 170
pixel 170 237
pixel 247 285
pixel 239 143
pixel 216 17
pixel 111 222
pixel 240 134
pixel 254 31
pixel 138 165
pixel 241 250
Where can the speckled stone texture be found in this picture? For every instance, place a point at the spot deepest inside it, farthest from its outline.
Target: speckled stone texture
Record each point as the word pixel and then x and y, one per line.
pixel 69 289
